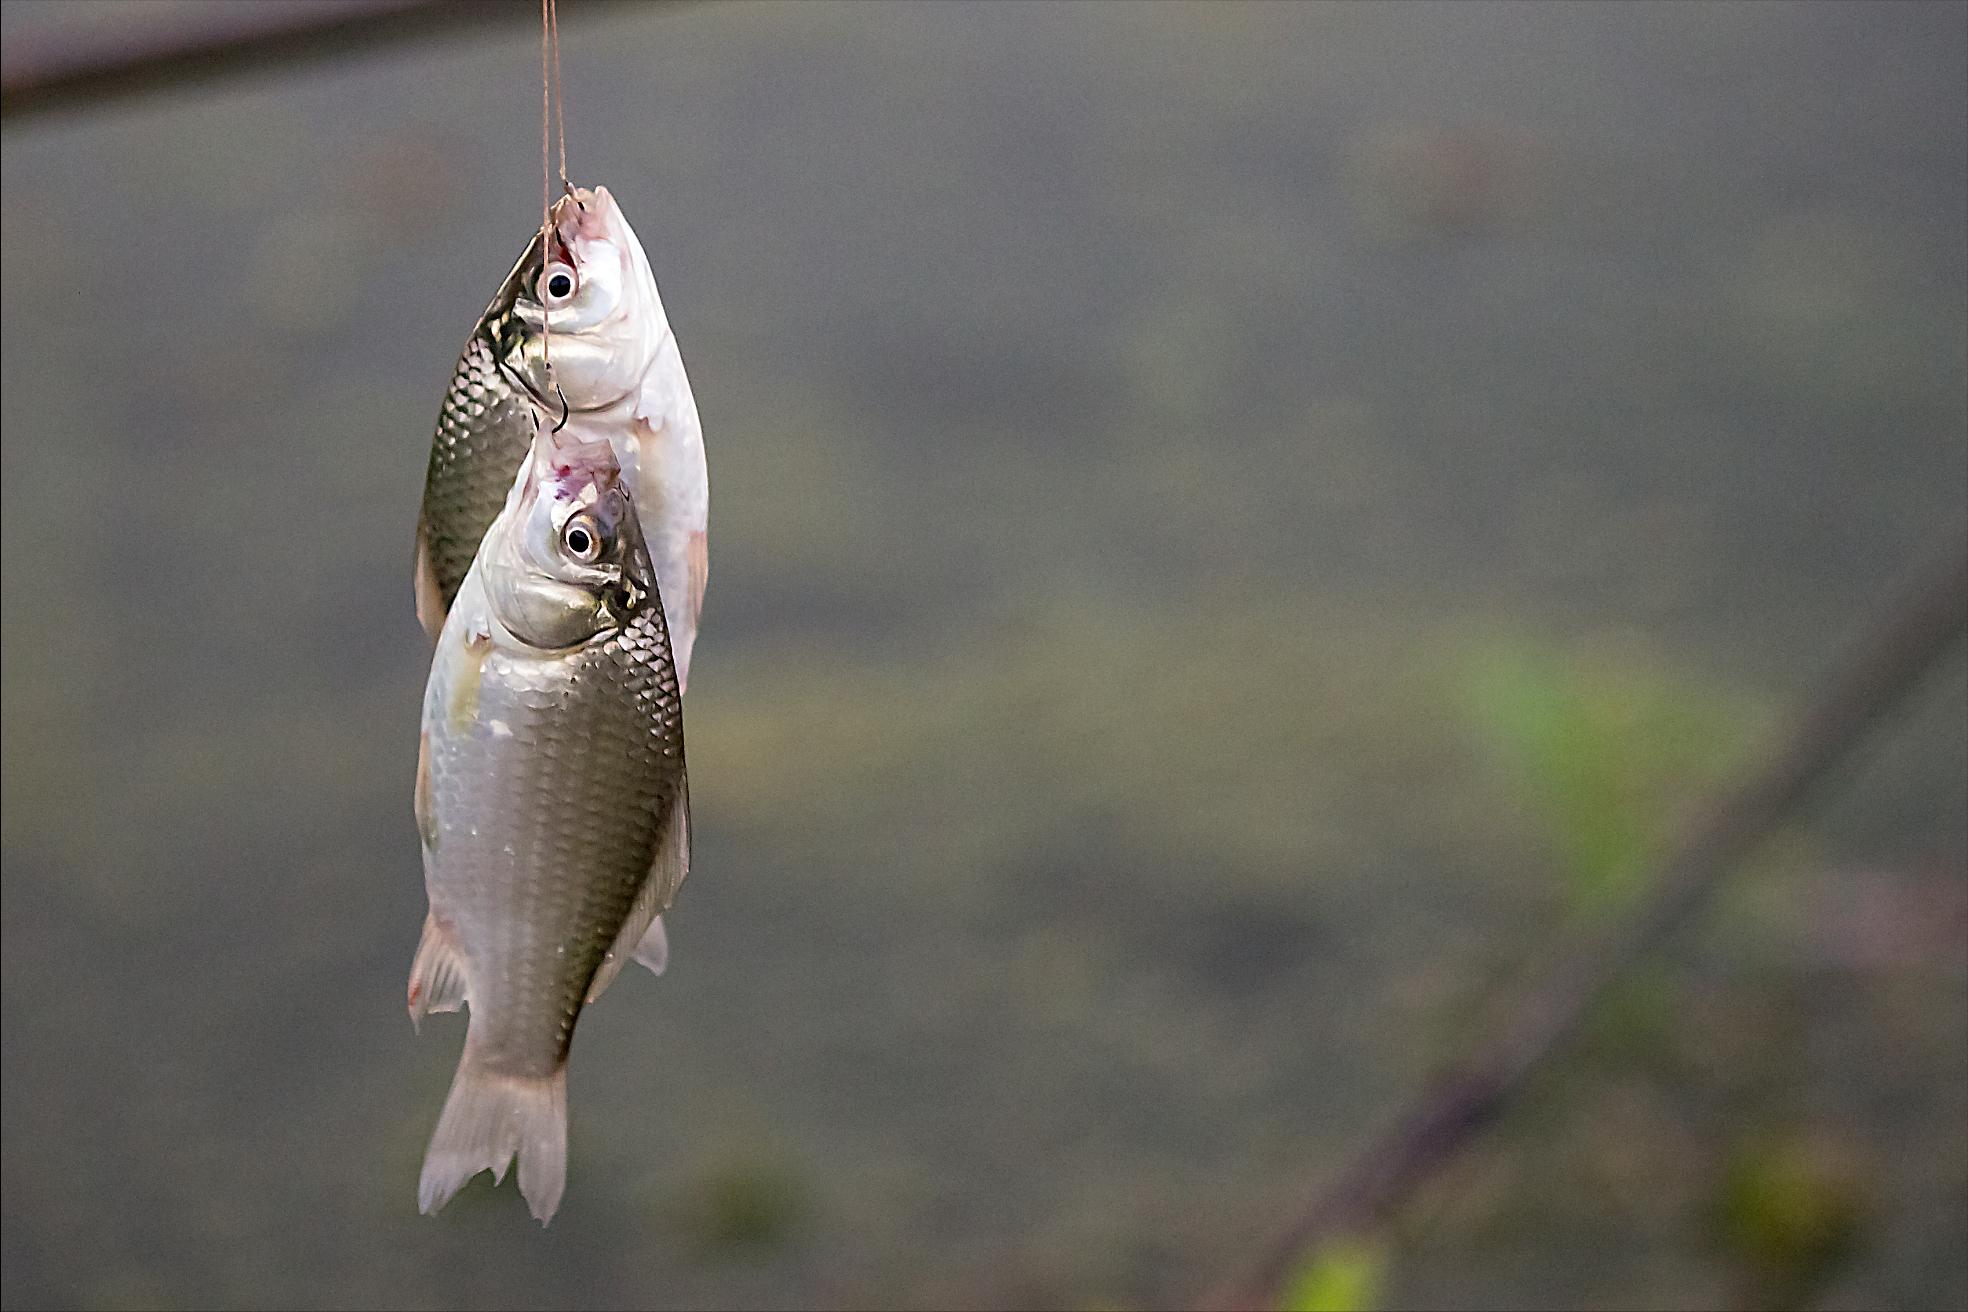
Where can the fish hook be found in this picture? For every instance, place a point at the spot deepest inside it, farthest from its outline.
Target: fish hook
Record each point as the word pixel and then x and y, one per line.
pixel 563 408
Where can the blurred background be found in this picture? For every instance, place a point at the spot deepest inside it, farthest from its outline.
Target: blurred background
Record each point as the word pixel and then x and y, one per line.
pixel 1233 524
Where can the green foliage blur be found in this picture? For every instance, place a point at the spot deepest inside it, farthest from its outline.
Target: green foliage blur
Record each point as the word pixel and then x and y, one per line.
pixel 1792 1207
pixel 1609 751
pixel 1342 1277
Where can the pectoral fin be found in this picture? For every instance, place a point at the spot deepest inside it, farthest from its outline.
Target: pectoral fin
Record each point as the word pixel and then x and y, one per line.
pixel 697 560
pixel 698 555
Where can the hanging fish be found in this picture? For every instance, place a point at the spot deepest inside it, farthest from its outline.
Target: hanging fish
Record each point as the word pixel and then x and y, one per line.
pixel 582 295
pixel 552 803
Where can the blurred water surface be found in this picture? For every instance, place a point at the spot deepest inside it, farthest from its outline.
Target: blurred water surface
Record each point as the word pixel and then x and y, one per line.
pixel 1173 468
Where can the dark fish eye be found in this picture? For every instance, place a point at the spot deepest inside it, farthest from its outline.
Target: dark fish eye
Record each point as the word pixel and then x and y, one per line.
pixel 583 539
pixel 557 285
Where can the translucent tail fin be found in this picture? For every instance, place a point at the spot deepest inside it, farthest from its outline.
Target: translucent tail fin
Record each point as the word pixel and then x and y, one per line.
pixel 488 1118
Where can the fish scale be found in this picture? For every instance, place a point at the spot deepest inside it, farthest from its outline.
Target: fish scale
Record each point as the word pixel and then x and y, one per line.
pixel 574 765
pixel 483 431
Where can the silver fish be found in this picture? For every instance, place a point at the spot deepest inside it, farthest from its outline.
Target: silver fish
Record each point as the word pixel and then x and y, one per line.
pixel 585 297
pixel 552 803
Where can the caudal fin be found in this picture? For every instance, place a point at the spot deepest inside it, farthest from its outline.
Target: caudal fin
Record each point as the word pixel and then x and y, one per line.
pixel 488 1118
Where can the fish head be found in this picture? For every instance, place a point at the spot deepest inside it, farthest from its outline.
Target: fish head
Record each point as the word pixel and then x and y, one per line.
pixel 567 562
pixel 582 298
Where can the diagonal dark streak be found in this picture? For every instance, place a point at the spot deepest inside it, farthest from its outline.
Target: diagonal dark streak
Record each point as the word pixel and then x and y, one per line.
pixel 43 74
pixel 1883 669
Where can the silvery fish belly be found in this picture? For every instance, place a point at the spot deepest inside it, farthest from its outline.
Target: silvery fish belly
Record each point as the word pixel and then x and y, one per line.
pixel 552 804
pixel 584 297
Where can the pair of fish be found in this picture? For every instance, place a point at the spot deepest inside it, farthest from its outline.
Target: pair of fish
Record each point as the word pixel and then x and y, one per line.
pixel 561 569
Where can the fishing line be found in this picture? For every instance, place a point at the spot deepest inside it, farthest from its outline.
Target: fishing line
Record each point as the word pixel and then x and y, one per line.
pixel 550 97
pixel 546 192
pixel 560 115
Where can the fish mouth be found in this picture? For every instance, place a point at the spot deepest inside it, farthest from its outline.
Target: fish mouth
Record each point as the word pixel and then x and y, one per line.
pixel 580 216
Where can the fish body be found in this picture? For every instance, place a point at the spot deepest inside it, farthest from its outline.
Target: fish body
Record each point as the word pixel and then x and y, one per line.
pixel 552 803
pixel 583 297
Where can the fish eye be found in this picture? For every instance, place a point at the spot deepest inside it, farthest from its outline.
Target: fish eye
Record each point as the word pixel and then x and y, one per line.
pixel 557 285
pixel 582 537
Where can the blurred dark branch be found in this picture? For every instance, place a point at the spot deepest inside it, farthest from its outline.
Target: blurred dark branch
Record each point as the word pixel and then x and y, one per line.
pixel 1420 1142
pixel 40 73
